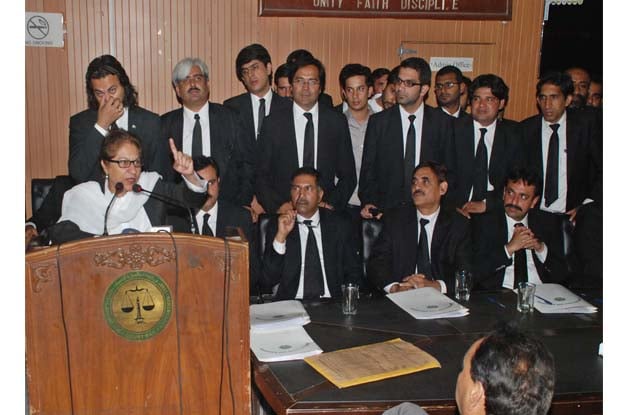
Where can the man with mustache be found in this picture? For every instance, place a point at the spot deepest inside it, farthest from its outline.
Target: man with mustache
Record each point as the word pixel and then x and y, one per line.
pixel 309 250
pixel 517 243
pixel 203 128
pixel 421 245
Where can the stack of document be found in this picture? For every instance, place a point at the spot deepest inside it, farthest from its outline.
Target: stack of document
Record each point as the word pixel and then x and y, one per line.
pixel 554 298
pixel 276 332
pixel 427 303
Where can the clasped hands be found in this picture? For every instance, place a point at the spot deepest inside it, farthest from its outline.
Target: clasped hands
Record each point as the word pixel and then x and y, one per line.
pixel 414 281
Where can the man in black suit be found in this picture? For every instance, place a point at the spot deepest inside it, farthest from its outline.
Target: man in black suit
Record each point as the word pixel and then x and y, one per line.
pixel 305 134
pixel 485 148
pixel 563 147
pixel 517 243
pixel 253 67
pixel 112 101
pixel 324 99
pixel 448 87
pixel 399 138
pixel 309 250
pixel 421 245
pixel 204 128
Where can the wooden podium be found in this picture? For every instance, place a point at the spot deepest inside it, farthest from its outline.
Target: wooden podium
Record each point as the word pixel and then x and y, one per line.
pixel 143 324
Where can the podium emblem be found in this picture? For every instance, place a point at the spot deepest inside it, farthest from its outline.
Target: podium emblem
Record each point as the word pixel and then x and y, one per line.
pixel 137 305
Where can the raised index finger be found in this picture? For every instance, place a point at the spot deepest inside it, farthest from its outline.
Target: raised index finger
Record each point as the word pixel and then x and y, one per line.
pixel 172 146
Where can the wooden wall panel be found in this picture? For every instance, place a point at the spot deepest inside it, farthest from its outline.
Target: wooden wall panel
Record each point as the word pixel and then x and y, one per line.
pixel 150 36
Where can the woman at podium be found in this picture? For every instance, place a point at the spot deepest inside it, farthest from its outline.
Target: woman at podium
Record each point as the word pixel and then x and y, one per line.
pixel 126 199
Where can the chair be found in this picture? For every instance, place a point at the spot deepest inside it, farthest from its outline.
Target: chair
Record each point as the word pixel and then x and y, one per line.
pixel 39 189
pixel 371 229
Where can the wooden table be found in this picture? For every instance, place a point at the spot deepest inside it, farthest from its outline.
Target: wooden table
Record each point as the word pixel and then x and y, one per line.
pixel 296 388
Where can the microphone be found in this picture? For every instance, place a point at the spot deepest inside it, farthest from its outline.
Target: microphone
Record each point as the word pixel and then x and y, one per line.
pixel 166 199
pixel 118 188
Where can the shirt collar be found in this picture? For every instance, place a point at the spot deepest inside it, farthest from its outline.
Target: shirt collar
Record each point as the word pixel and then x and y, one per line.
pixel 432 217
pixel 405 114
pixel 561 121
pixel 212 211
pixel 191 114
pixel 266 97
pixel 315 218
pixel 511 222
pixel 299 111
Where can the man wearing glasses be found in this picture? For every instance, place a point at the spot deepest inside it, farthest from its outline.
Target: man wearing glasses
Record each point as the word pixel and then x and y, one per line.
pixel 448 88
pixel 399 138
pixel 305 134
pixel 203 128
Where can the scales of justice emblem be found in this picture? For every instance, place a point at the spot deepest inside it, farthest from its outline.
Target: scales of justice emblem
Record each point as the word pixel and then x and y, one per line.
pixel 137 305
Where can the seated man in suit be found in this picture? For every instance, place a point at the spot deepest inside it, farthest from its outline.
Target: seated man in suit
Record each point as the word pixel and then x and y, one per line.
pixel 506 372
pixel 113 104
pixel 309 250
pixel 421 245
pixel 518 242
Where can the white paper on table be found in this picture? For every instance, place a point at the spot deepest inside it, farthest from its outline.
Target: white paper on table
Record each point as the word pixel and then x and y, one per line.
pixel 278 315
pixel 287 344
pixel 427 303
pixel 562 300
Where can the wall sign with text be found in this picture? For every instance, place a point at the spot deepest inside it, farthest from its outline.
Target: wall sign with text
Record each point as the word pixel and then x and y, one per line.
pixel 397 9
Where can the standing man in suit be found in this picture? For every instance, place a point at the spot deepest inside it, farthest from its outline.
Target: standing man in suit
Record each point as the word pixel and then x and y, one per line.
pixel 448 87
pixel 399 138
pixel 421 245
pixel 305 134
pixel 309 250
pixel 253 67
pixel 204 128
pixel 563 147
pixel 113 104
pixel 581 86
pixel 518 243
pixel 281 80
pixel 485 148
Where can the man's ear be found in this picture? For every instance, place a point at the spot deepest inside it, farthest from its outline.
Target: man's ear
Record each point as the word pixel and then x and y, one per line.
pixel 424 90
pixel 443 188
pixel 477 398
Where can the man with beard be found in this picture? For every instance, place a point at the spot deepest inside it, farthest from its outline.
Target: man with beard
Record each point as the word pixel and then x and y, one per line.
pixel 421 245
pixel 203 128
pixel 517 243
pixel 309 251
pixel 449 87
pixel 581 83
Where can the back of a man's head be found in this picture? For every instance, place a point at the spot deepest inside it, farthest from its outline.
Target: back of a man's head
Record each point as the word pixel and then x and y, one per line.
pixel 516 371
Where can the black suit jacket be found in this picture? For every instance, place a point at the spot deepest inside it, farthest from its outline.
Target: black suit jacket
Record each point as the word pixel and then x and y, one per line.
pixel 230 146
pixel 339 256
pixel 490 234
pixel 394 254
pixel 507 151
pixel 583 158
pixel 156 210
pixel 242 104
pixel 382 172
pixel 85 143
pixel 461 115
pixel 278 158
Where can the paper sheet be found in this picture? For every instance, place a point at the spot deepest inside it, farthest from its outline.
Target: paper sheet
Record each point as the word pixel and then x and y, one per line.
pixel 427 303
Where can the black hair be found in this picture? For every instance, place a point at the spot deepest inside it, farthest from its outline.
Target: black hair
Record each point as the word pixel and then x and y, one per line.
pixel 497 86
pixel 526 175
pixel 201 162
pixel 439 169
pixel 421 66
pixel 249 53
pixel 560 79
pixel 517 372
pixel 308 171
pixel 378 73
pixel 282 71
pixel 393 75
pixel 297 54
pixel 116 138
pixel 445 70
pixel 101 67
pixel 355 69
pixel 306 61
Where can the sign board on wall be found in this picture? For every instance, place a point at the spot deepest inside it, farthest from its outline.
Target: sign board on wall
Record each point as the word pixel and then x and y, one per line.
pixel 464 64
pixel 44 29
pixel 396 9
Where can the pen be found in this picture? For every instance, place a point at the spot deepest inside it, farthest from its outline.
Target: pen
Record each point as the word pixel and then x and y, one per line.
pixel 492 300
pixel 543 299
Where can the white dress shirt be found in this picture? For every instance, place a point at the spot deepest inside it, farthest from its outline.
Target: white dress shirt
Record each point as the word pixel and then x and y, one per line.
pixel 188 122
pixel 280 248
pixel 489 139
pixel 256 105
pixel 559 205
pixel 418 126
pixel 300 128
pixel 532 273
pixel 212 220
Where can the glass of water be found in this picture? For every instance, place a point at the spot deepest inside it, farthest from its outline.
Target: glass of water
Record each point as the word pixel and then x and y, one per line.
pixel 463 285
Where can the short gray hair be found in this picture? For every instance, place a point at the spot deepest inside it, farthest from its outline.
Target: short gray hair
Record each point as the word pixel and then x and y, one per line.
pixel 182 69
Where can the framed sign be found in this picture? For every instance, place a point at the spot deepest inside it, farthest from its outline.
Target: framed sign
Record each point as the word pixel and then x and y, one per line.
pixel 396 9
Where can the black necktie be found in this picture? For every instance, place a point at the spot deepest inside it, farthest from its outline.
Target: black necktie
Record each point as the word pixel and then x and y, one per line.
pixel 206 230
pixel 309 141
pixel 520 264
pixel 409 155
pixel 423 254
pixel 551 177
pixel 196 146
pixel 114 126
pixel 313 276
pixel 480 170
pixel 261 115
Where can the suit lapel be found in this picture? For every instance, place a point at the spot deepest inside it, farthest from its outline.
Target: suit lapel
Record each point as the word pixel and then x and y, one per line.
pixel 214 127
pixel 497 153
pixel 441 228
pixel 322 138
pixel 327 236
pixel 572 139
pixel 133 121
pixel 290 140
pixel 177 128
pixel 395 133
pixel 425 153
